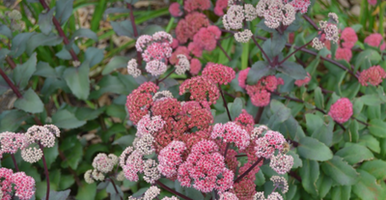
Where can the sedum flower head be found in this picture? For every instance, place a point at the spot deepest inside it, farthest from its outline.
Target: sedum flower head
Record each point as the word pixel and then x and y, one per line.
pixel 170 158
pixel 132 68
pixel 243 36
pixel 104 163
pixel 231 132
pixel 200 88
pixel 281 163
pixel 218 73
pixel 31 154
pixel 374 75
pixel 376 40
pixel 341 110
pixel 228 196
pixel 280 182
pixel 234 17
pixel 183 64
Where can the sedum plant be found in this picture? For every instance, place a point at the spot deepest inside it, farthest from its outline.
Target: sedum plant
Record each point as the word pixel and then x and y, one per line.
pixel 231 100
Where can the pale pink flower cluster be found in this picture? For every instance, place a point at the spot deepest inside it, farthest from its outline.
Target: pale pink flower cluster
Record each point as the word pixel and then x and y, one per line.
pixel 243 36
pixel 11 142
pixel 218 73
pixel 373 75
pixel 149 125
pixel 266 145
pixel 132 68
pixel 131 162
pixel 276 13
pixel 329 31
pixel 280 182
pixel 170 158
pixel 376 40
pixel 144 144
pixel 230 132
pixel 150 171
pixel 341 110
pixel 299 5
pixel 16 184
pixel 205 169
pixel 234 17
pixel 281 163
pixel 183 64
pixel 105 163
pixel 304 81
pixel 155 50
pixel 228 196
pixel 274 196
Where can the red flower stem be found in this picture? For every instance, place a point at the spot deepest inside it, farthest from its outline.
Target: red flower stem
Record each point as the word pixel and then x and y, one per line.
pixel 167 76
pixel 296 50
pixel 293 174
pixel 60 30
pixel 225 102
pixel 223 50
pixel 14 162
pixel 171 190
pixel 261 49
pixel 135 31
pixel 46 172
pixel 316 54
pixel 258 115
pixel 362 122
pixel 9 82
pixel 10 62
pixel 310 21
pixel 249 170
pixel 115 187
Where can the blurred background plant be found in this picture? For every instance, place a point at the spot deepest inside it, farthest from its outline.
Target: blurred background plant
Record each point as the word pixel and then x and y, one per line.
pixel 64 63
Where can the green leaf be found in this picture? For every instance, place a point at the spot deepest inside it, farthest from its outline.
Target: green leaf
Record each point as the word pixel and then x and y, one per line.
pixel 94 55
pixel 115 110
pixel 66 119
pixel 341 172
pixel 319 99
pixel 236 107
pixel 310 174
pixel 371 142
pixel 22 73
pixel 61 195
pixel 123 28
pixel 78 80
pixel 45 21
pixel 4 30
pixel 72 146
pixel 64 54
pixel 293 70
pixel 51 154
pixel 374 112
pixel 65 181
pixel 367 187
pixel 30 102
pixel 45 70
pixel 313 122
pixel 367 58
pixel 297 161
pixel 109 83
pixel 278 43
pixel 63 10
pixel 84 113
pixel 124 141
pixel 341 193
pixel 371 99
pixel 115 63
pixel 19 43
pixel 41 39
pixel 10 120
pixel 375 168
pixel 312 149
pixel 355 153
pixel 86 191
pixel 323 134
pixel 323 185
pixel 257 71
pixel 378 128
pixel 280 111
pixel 151 29
pixel 85 33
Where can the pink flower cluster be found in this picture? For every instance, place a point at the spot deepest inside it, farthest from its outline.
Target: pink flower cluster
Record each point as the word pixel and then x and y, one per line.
pixel 376 40
pixel 149 125
pixel 218 73
pixel 374 75
pixel 341 110
pixel 132 163
pixel 139 101
pixel 348 38
pixel 205 39
pixel 220 6
pixel 200 88
pixel 245 121
pixel 281 163
pixel 299 5
pixel 266 145
pixel 170 158
pixel 304 81
pixel 260 92
pixel 372 2
pixel 230 132
pixel 190 25
pixel 205 167
pixel 192 5
pixel 16 184
pixel 175 10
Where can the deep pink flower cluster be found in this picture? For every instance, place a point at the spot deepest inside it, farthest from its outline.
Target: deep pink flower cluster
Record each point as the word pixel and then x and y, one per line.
pixel 376 40
pixel 245 121
pixel 230 132
pixel 243 75
pixel 188 27
pixel 349 38
pixel 372 2
pixel 192 5
pixel 341 110
pixel 304 81
pixel 343 54
pixel 17 184
pixel 195 66
pixel 200 88
pixel 299 5
pixel 205 39
pixel 175 10
pixel 166 107
pixel 266 145
pixel 205 168
pixel 218 73
pixel 246 188
pixel 179 50
pixel 170 158
pixel 220 6
pixel 260 92
pixel 373 75
pixel 139 101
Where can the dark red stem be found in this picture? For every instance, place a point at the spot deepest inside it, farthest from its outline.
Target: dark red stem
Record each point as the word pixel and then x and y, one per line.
pixel 258 115
pixel 249 170
pixel 60 30
pixel 9 82
pixel 261 49
pixel 166 76
pixel 46 172
pixel 310 21
pixel 171 190
pixel 14 162
pixel 115 188
pixel 135 31
pixel 296 50
pixel 223 50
